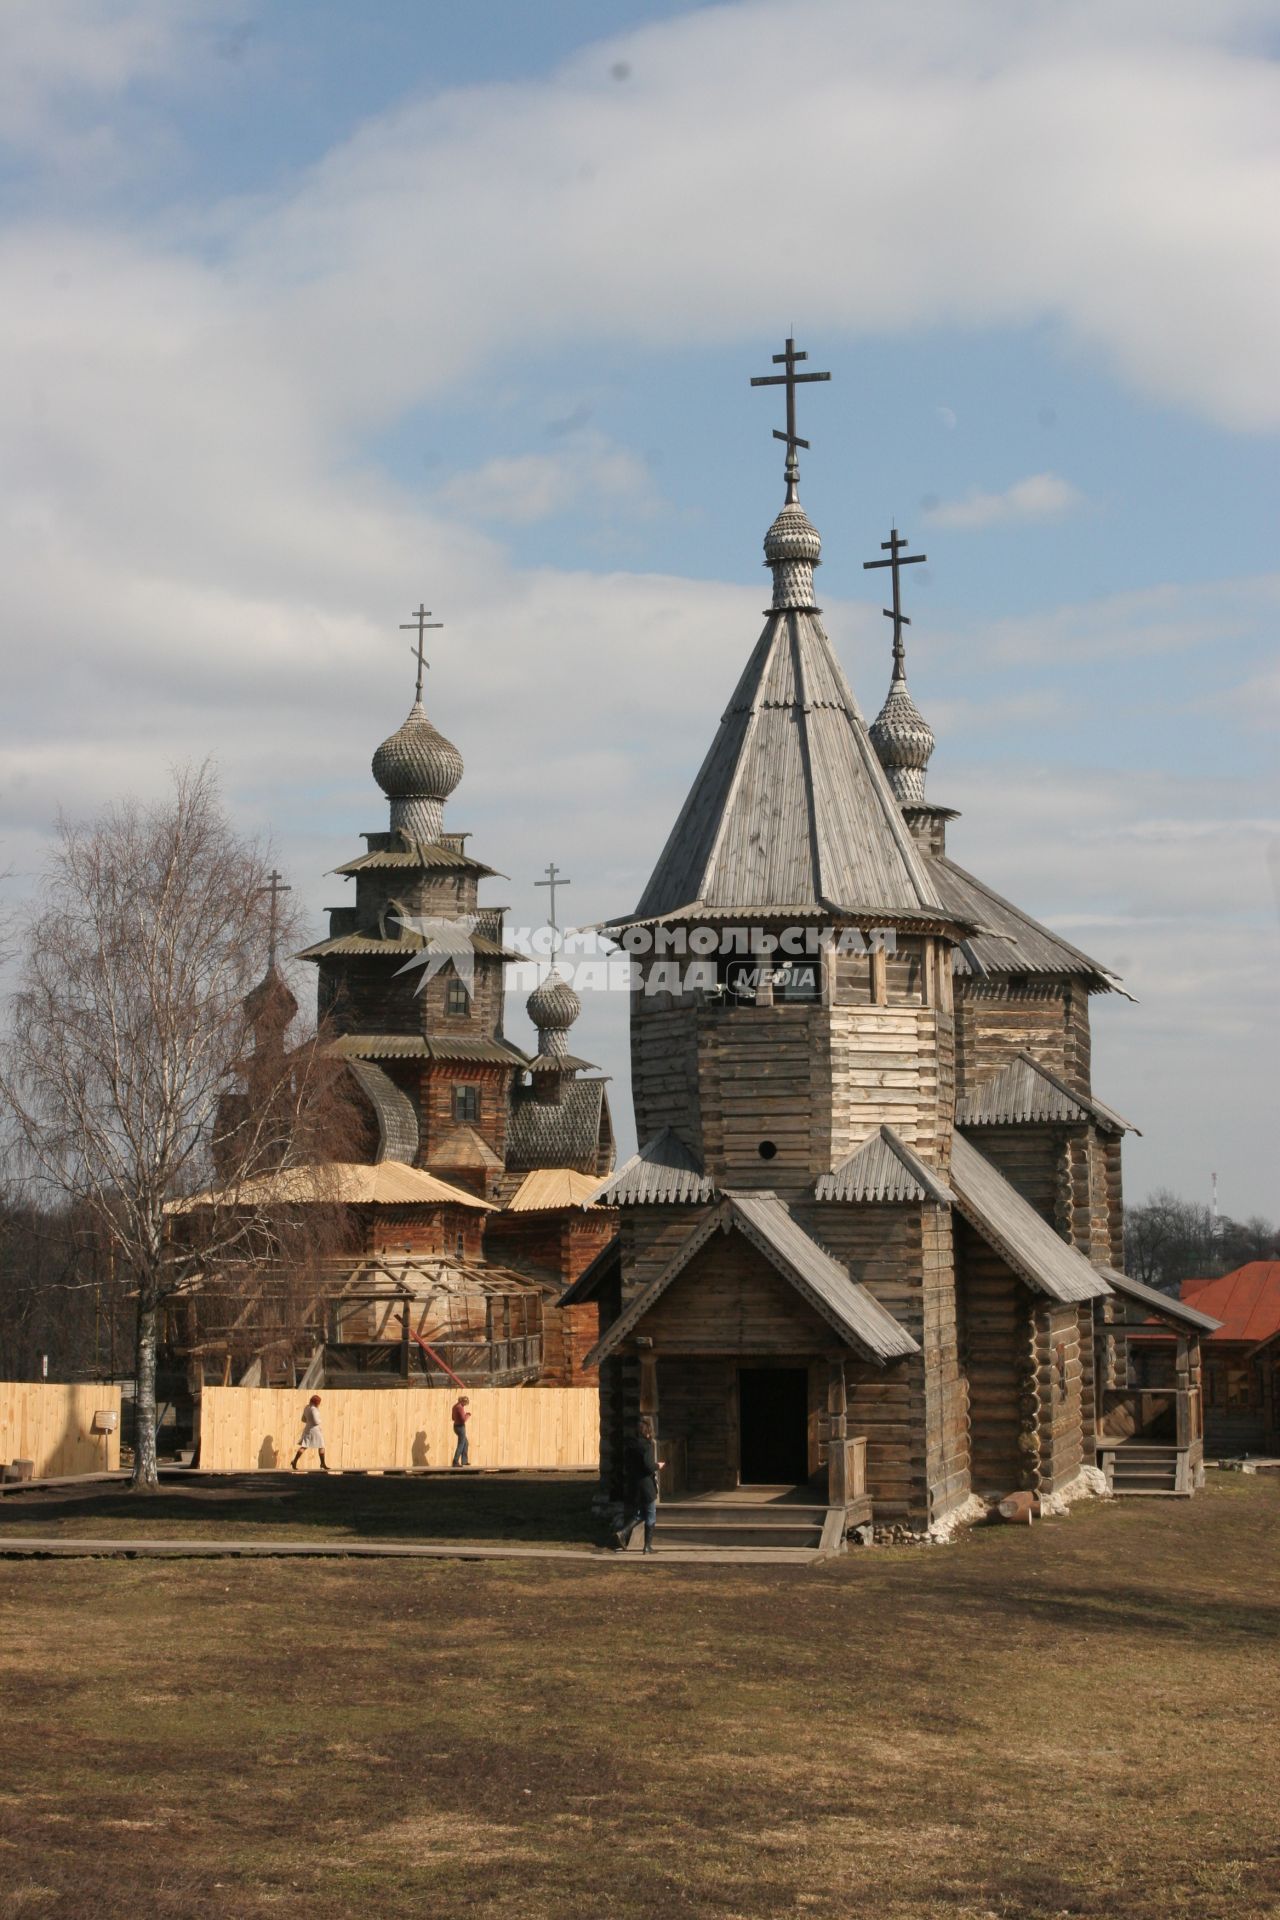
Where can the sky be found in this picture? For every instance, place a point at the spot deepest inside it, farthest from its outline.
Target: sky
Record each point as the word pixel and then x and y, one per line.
pixel 309 313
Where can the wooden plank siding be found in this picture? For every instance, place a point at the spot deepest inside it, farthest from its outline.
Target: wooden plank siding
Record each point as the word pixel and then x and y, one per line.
pixel 730 1300
pixel 243 1428
pixel 51 1425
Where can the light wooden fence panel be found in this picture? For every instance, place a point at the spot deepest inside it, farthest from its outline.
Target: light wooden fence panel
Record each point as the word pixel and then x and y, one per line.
pixel 51 1425
pixel 243 1428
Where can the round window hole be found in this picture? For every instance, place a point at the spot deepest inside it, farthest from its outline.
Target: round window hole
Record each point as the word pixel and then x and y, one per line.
pixel 767 1150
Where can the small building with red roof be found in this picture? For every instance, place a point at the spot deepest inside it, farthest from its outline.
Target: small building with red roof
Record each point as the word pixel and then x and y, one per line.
pixel 1242 1359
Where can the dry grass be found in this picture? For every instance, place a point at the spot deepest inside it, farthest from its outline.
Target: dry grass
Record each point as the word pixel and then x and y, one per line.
pixel 1081 1719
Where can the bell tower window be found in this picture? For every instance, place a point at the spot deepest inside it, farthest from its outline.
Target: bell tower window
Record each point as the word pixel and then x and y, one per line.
pixel 457 999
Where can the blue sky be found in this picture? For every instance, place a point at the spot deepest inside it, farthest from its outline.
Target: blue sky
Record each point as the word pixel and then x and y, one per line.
pixel 309 311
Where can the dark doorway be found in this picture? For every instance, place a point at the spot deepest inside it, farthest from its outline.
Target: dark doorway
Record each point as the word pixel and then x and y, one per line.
pixel 773 1407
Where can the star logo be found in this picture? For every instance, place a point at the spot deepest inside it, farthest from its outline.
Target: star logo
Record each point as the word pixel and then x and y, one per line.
pixel 444 943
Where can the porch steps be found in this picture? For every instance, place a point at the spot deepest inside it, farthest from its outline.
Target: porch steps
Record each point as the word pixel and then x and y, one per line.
pixel 1150 1470
pixel 770 1525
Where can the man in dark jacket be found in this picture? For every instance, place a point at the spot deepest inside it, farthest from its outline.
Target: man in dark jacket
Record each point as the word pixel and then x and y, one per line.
pixel 642 1467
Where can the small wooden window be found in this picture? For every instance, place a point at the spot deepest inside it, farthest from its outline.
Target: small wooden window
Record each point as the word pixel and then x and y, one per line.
pixel 466 1103
pixel 457 999
pixel 798 980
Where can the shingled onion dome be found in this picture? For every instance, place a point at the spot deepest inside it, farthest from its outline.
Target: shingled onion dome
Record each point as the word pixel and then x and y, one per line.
pixel 793 548
pixel 417 769
pixel 903 740
pixel 553 1006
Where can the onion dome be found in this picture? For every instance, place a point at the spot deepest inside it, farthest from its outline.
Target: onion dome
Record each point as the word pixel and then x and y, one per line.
pixel 553 1006
pixel 793 549
pixel 903 740
pixel 417 769
pixel 417 762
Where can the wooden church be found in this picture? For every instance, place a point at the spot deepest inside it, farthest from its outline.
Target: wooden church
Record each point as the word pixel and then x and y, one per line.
pixel 870 1247
pixel 469 1191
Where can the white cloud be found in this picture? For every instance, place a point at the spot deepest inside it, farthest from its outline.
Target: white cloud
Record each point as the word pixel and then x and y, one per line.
pixel 1161 620
pixel 587 470
pixel 64 65
pixel 1110 170
pixel 1041 496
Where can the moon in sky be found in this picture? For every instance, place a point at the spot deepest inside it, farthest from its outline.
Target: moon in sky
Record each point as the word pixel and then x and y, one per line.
pixel 946 417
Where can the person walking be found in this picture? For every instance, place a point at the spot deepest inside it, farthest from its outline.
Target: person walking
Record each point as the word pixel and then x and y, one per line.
pixel 312 1435
pixel 461 1415
pixel 643 1467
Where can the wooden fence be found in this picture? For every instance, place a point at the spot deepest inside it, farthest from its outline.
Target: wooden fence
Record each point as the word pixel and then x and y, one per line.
pixel 246 1427
pixel 52 1426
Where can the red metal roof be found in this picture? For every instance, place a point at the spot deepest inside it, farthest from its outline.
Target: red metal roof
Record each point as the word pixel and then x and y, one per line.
pixel 1247 1302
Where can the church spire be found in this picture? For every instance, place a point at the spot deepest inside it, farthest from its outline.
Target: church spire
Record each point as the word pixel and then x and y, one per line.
pixel 900 734
pixel 791 812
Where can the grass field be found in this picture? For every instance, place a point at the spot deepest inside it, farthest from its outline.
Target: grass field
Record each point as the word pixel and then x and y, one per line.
pixel 1083 1718
pixel 551 1509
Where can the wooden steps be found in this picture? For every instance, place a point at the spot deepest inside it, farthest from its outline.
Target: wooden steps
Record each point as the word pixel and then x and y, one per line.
pixel 766 1525
pixel 1145 1470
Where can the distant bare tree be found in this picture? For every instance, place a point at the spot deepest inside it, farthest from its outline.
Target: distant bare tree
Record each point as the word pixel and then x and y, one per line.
pixel 1168 1240
pixel 132 1016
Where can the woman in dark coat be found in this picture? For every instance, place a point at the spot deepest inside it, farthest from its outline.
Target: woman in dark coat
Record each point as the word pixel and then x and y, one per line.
pixel 643 1465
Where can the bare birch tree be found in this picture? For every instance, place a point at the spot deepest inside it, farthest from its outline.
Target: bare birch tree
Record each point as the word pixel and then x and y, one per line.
pixel 132 1018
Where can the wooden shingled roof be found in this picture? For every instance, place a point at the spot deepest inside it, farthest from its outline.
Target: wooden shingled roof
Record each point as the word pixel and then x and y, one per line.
pixel 1009 940
pixel 420 1046
pixel 791 811
pixel 338 1183
pixel 884 1168
pixel 1017 1232
pixel 554 1189
pixel 768 1223
pixel 1025 1090
pixel 664 1171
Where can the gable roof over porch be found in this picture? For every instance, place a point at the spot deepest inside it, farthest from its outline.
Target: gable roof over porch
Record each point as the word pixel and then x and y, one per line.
pixel 763 1219
pixel 1011 1225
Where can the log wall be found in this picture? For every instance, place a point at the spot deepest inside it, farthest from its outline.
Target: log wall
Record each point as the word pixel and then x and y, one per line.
pixel 51 1424
pixel 996 1348
pixel 1058 1389
pixel 996 1018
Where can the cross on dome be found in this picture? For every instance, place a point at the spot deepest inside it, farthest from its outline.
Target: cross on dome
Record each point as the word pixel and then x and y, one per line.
pixel 898 559
pixel 420 624
pixel 789 359
pixel 555 878
pixel 275 887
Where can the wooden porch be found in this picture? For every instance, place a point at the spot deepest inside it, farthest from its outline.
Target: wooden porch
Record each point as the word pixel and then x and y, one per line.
pixel 709 1497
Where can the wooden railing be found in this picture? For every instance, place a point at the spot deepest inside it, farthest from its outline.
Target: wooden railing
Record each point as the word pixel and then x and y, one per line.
pixel 846 1471
pixel 1132 1412
pixel 476 1362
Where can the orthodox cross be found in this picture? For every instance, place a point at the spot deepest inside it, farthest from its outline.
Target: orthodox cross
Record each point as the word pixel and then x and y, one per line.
pixel 275 887
pixel 790 379
pixel 554 879
pixel 898 559
pixel 420 624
